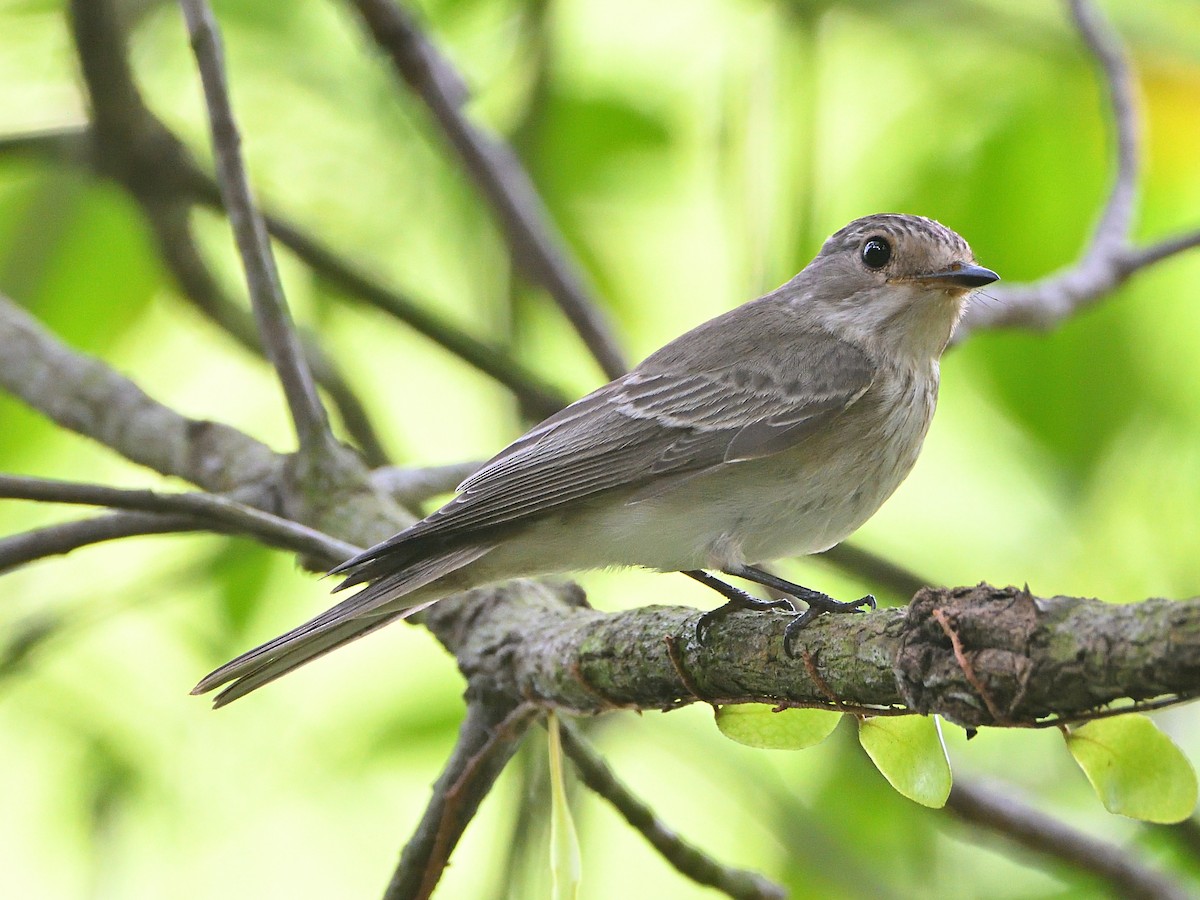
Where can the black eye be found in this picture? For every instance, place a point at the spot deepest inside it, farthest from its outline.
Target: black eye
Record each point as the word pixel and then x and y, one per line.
pixel 876 252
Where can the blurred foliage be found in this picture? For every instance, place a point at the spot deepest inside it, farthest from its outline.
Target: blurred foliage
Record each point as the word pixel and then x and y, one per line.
pixel 695 155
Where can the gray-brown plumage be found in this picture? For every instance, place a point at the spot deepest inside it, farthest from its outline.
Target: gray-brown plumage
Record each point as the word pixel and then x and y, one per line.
pixel 775 429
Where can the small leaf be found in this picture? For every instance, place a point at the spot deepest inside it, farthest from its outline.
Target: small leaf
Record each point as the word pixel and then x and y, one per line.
pixel 910 753
pixel 1135 769
pixel 565 867
pixel 759 725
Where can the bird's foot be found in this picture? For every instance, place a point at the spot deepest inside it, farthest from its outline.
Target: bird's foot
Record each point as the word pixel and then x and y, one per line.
pixel 706 621
pixel 736 599
pixel 819 604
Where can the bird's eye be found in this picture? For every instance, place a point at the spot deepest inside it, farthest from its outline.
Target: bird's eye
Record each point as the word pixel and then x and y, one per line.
pixel 876 252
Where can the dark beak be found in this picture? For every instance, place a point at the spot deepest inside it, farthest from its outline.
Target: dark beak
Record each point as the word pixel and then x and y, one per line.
pixel 961 275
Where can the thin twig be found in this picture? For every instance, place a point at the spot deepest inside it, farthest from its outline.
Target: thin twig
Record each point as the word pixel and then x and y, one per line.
pixel 537 398
pixel 1054 842
pixel 536 247
pixel 489 736
pixel 535 395
pixel 1109 260
pixel 213 509
pixel 687 859
pixel 967 669
pixel 1116 219
pixel 131 145
pixel 171 222
pixel 412 486
pixel 57 540
pixel 275 325
pixel 680 667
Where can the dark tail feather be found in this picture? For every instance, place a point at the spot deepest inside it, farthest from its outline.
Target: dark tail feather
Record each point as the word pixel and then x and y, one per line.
pixel 316 646
pixel 386 599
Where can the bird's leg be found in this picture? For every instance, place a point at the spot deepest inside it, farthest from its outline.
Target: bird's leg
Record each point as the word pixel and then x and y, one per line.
pixel 736 597
pixel 818 603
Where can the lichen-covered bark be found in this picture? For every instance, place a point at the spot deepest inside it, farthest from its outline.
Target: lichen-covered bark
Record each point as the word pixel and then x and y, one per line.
pixel 1032 657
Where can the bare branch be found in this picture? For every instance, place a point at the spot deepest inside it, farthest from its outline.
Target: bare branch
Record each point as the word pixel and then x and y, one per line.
pixel 1054 842
pixel 211 509
pixel 131 145
pixel 157 170
pixel 57 540
pixel 262 278
pixel 1036 657
pixel 84 395
pixel 537 398
pixel 1117 217
pixel 1140 258
pixel 537 249
pixel 489 737
pixel 1109 260
pixel 687 859
pixel 410 487
pixel 171 221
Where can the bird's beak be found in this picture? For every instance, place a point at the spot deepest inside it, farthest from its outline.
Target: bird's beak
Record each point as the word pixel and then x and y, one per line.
pixel 960 275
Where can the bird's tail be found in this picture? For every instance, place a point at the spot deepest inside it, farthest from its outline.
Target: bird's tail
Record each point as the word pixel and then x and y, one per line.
pixel 386 598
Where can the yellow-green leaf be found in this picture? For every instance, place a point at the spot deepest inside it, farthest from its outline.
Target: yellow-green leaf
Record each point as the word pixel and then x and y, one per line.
pixel 565 867
pixel 759 725
pixel 910 753
pixel 1135 769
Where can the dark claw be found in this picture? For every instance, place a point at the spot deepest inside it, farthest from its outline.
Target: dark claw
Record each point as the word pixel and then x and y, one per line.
pixel 706 621
pixel 817 606
pixel 818 603
pixel 737 599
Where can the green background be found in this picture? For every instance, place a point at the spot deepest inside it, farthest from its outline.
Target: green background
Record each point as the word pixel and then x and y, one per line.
pixel 695 153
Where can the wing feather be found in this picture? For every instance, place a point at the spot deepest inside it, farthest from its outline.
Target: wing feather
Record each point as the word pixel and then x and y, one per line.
pixel 651 424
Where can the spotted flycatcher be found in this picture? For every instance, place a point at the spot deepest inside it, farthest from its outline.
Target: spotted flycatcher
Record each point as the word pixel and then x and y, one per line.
pixel 773 430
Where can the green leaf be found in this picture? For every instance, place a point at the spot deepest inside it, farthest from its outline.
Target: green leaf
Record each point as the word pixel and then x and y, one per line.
pixel 565 868
pixel 759 725
pixel 1135 769
pixel 910 753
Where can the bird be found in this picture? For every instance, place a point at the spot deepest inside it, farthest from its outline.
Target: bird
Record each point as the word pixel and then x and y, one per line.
pixel 773 430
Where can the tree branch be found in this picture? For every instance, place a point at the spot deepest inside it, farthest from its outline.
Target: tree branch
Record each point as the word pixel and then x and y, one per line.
pixel 1035 657
pixel 687 859
pixel 132 146
pixel 58 540
pixel 489 737
pixel 537 249
pixel 1050 841
pixel 212 510
pixel 537 398
pixel 84 395
pixel 129 144
pixel 1109 260
pixel 411 487
pixel 171 222
pixel 275 324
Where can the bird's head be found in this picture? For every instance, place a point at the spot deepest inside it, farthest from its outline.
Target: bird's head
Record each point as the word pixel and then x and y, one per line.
pixel 895 283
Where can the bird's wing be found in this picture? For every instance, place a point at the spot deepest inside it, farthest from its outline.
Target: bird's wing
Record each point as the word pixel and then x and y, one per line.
pixel 657 422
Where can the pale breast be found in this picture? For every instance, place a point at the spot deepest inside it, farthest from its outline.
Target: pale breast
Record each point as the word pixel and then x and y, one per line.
pixel 793 503
pixel 825 491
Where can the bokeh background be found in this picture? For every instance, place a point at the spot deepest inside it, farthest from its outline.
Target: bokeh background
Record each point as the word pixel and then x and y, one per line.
pixel 695 153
